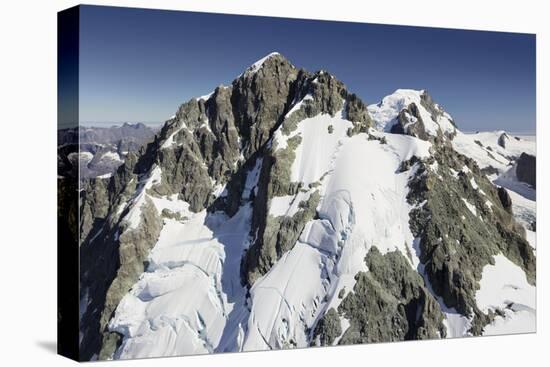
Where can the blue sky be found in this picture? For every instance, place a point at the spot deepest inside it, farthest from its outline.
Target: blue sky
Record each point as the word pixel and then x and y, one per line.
pixel 140 65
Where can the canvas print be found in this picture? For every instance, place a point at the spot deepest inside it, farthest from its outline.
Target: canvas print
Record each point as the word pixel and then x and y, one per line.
pixel 236 183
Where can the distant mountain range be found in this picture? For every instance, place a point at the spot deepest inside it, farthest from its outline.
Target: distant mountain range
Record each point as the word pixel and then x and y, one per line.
pixel 102 149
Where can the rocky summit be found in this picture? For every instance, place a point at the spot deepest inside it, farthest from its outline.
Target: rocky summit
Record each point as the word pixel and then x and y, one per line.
pixel 282 211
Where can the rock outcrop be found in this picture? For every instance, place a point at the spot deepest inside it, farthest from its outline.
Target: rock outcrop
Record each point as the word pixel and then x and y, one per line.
pixel 526 169
pixel 390 302
pixel 462 224
pixel 410 122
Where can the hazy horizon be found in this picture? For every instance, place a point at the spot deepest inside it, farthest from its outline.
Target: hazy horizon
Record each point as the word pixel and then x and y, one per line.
pixel 153 124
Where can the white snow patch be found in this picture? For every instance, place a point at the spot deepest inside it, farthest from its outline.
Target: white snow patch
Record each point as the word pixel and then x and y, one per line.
pixel 252 178
pixel 258 64
pixel 190 299
pixel 473 183
pixel 85 156
pixel 172 203
pixel 287 205
pixel 284 301
pixel 404 146
pixel 510 181
pixel 219 190
pixel 134 215
pixel 457 325
pixel 503 283
pixel 376 196
pixel 169 142
pixel 205 97
pixel 516 321
pixel 314 153
pixel 470 206
pixel 297 106
pixel 524 206
pixel 531 237
pixel 279 137
pixel 344 325
pixel 465 145
pixel 504 286
pixel 513 145
pixel 112 156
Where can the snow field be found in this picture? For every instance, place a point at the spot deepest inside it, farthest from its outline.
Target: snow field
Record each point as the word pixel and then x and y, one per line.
pixel 504 286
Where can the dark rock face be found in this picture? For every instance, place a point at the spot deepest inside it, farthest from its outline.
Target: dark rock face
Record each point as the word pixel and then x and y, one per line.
pixel 502 140
pixel 505 199
pixel 184 172
pixel 94 205
pixel 356 111
pixel 456 243
pixel 67 165
pixel 260 100
pixel 328 94
pixel 134 246
pixel 390 303
pixel 434 109
pixel 526 169
pixel 410 122
pixel 220 144
pixel 328 328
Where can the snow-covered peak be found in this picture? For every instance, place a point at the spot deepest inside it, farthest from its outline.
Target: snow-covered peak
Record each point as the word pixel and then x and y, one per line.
pixel 258 64
pixel 205 97
pixel 386 112
pixel 209 95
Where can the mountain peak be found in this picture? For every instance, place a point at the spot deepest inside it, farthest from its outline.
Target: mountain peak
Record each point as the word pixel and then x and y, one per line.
pixel 406 107
pixel 255 67
pixel 406 95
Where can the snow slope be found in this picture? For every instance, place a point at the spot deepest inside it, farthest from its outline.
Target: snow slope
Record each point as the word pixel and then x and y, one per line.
pixel 314 154
pixel 465 144
pixel 523 197
pixel 504 286
pixel 190 299
pixel 133 218
pixel 513 145
pixel 354 214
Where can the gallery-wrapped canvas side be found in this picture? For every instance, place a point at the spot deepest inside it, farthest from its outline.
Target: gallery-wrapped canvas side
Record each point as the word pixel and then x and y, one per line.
pixel 67 184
